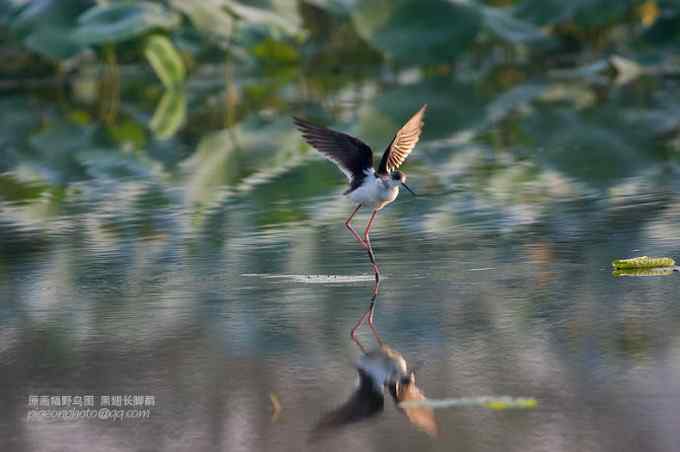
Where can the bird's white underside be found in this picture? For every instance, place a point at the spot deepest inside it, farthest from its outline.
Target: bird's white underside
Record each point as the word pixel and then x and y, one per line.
pixel 375 192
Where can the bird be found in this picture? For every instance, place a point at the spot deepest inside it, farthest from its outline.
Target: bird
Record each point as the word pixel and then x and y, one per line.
pixel 384 368
pixel 368 187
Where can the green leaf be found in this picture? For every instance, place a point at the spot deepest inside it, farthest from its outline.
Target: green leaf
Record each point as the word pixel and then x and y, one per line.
pixel 505 26
pixel 8 8
pixel 643 262
pixel 169 115
pixel 336 7
pixel 581 12
pixel 287 20
pixel 45 27
pixel 431 32
pixel 116 22
pixel 165 60
pixel 50 43
pixel 207 17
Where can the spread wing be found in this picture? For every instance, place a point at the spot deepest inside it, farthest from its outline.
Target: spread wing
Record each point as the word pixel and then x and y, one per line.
pixel 350 154
pixel 403 143
pixel 365 403
pixel 420 416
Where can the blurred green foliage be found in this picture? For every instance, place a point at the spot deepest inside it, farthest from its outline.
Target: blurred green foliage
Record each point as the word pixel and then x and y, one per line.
pixel 196 93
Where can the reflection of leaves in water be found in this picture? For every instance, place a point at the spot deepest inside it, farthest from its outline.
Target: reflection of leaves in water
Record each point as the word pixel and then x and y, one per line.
pixel 14 190
pixel 55 150
pixel 241 158
pixel 592 149
pixel 108 163
pixel 169 115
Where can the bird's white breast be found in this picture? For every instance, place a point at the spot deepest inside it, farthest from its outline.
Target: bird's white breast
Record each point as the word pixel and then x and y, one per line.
pixel 374 192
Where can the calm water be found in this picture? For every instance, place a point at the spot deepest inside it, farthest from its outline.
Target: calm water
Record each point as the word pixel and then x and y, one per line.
pixel 480 310
pixel 224 279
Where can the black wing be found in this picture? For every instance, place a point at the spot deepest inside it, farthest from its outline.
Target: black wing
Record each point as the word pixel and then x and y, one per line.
pixel 365 403
pixel 350 154
pixel 403 143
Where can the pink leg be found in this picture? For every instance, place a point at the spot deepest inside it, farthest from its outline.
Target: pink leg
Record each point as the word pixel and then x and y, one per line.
pixel 353 332
pixel 369 313
pixel 367 239
pixel 371 256
pixel 376 270
pixel 366 243
pixel 348 225
pixel 361 347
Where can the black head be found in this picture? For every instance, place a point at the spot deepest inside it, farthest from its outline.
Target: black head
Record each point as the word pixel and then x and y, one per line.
pixel 398 176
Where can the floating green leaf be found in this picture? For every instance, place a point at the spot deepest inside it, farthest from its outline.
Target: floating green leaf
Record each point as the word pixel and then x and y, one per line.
pixel 492 403
pixel 643 262
pixel 169 115
pixel 116 22
pixel 165 60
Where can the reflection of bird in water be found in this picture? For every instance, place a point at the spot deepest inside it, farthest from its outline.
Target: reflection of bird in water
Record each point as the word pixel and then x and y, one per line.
pixel 380 369
pixel 368 187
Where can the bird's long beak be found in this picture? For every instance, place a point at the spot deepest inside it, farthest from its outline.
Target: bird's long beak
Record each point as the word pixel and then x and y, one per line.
pixel 406 186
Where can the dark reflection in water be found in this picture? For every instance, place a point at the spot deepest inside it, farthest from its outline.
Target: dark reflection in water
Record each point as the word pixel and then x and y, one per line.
pixel 379 370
